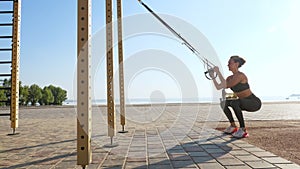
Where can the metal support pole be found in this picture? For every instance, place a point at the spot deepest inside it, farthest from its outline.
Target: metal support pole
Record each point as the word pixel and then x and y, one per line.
pixel 15 65
pixel 121 68
pixel 110 71
pixel 84 107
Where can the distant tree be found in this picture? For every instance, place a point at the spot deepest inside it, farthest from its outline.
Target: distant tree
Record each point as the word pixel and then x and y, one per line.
pixel 6 83
pixel 2 97
pixel 47 97
pixel 7 93
pixel 24 95
pixel 59 94
pixel 35 94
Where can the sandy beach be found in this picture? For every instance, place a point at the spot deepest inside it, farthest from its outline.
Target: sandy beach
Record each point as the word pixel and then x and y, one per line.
pixel 46 134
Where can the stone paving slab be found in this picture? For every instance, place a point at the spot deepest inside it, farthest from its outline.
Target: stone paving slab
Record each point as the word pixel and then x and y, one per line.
pixel 175 139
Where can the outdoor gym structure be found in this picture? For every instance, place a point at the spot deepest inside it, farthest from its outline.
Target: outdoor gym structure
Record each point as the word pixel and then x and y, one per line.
pixel 84 100
pixel 83 77
pixel 84 107
pixel 10 56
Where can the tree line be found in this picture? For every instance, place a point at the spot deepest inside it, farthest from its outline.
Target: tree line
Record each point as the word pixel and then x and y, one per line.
pixel 33 94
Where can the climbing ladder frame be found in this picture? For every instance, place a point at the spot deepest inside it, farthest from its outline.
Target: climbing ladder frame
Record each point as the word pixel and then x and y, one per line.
pixel 15 59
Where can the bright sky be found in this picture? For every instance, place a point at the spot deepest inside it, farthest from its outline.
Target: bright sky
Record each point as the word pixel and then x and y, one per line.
pixel 264 32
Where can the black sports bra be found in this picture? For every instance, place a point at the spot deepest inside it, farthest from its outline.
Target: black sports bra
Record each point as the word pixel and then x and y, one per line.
pixel 240 87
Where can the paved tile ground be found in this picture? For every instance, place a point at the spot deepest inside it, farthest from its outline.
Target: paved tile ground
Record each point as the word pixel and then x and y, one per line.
pixel 174 136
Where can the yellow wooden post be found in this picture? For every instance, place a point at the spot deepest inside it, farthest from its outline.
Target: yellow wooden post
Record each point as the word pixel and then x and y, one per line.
pixel 121 68
pixel 15 65
pixel 109 67
pixel 84 107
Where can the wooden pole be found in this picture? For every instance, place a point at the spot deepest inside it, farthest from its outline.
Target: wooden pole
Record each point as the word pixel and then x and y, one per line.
pixel 15 65
pixel 110 71
pixel 84 107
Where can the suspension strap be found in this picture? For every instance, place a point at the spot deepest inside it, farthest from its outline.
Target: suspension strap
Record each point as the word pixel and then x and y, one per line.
pixel 209 74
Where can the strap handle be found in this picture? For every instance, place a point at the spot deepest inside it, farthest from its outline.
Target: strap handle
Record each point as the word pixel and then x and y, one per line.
pixel 210 74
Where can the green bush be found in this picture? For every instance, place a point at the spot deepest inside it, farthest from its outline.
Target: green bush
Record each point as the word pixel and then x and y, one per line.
pixel 49 95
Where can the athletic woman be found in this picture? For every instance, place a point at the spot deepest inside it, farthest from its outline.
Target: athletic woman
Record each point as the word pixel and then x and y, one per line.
pixel 238 83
